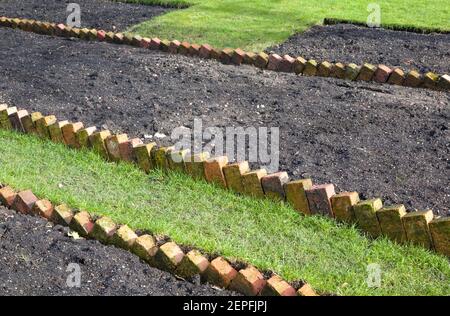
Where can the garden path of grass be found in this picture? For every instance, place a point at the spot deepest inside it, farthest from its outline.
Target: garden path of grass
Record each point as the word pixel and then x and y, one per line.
pixel 330 256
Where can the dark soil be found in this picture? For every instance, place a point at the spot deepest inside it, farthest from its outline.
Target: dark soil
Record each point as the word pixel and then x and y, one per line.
pixel 349 43
pixel 106 15
pixel 34 257
pixel 380 140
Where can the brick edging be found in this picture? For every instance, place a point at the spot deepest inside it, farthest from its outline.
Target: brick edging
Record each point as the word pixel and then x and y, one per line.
pixel 420 228
pixel 299 65
pixel 161 254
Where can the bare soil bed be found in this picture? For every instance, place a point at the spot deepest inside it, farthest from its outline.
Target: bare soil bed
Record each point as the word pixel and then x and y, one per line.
pixel 380 140
pixel 102 14
pixel 35 256
pixel 350 43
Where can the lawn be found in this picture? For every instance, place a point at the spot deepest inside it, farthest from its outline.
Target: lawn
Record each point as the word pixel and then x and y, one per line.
pixel 258 24
pixel 332 257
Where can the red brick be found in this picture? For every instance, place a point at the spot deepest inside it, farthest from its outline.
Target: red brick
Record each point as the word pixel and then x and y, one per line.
pixel 213 170
pixel 103 230
pixel 205 51
pixel 43 208
pixel 7 196
pixel 219 273
pixel 193 263
pixel 296 195
pixel 233 175
pixel 24 202
pixel 145 43
pixel 194 50
pixel 342 205
pixel 62 215
pixel 127 149
pixel 238 56
pixel 248 281
pixel 16 120
pixel 69 132
pixel 319 199
pixel 306 290
pixel 145 248
pixel 287 64
pixel 101 35
pixel 251 182
pixel 276 286
pixel 60 28
pixel 273 185
pixel 184 48
pixel 155 43
pixel 124 237
pixel 215 54
pixel 382 74
pixel 226 55
pixel 82 223
pixel 274 62
pixel 169 256
pixel 173 47
pixel 113 145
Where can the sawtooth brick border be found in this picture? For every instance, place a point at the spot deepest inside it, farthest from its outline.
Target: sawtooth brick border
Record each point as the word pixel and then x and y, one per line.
pixel 366 72
pixel 168 256
pixel 302 195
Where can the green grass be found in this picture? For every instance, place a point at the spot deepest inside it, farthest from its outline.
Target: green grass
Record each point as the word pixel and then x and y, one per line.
pixel 258 24
pixel 332 257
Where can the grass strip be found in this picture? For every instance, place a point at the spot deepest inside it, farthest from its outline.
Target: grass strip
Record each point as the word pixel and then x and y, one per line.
pixel 332 257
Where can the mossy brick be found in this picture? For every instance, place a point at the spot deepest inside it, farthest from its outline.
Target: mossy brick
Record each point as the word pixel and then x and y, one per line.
pixel 127 149
pixel 145 42
pixel 194 165
pixel 192 264
pixel 118 38
pixel 109 37
pixel 173 47
pixel 177 158
pixel 97 141
pixel 92 35
pixel 7 196
pixel 143 156
pixel 84 33
pixel 249 58
pixel 319 199
pixel 62 215
pixel 430 80
pixel 251 182
pixel 444 83
pixel 219 273
pixel 324 69
pixel 262 59
pixel 213 170
pixel 215 54
pixel 55 131
pixel 101 35
pixel 42 125
pixel 366 217
pixel 273 185
pixel 24 202
pixel 43 208
pixel 233 175
pixel 413 79
pixel 128 39
pixel 69 132
pixel 15 22
pixel 397 77
pixel 124 237
pixel 5 112
pixel 164 45
pixel 145 247
pixel 367 72
pixel 296 195
pixel 136 40
pixel 183 49
pixel 274 62
pixel 159 157
pixel 169 256
pixel 103 230
pixel 310 68
pixel 382 74
pixel 75 32
pixel 342 206
pixel 205 51
pixel 276 286
pixel 352 71
pixel 155 43
pixel 338 71
pixel 390 219
pixel 82 136
pixel 226 55
pixel 238 56
pixel 440 233
pixel 416 228
pixel 248 281
pixel 16 120
pixel 194 50
pixel 82 223
pixel 306 290
pixel 299 65
pixel 286 64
